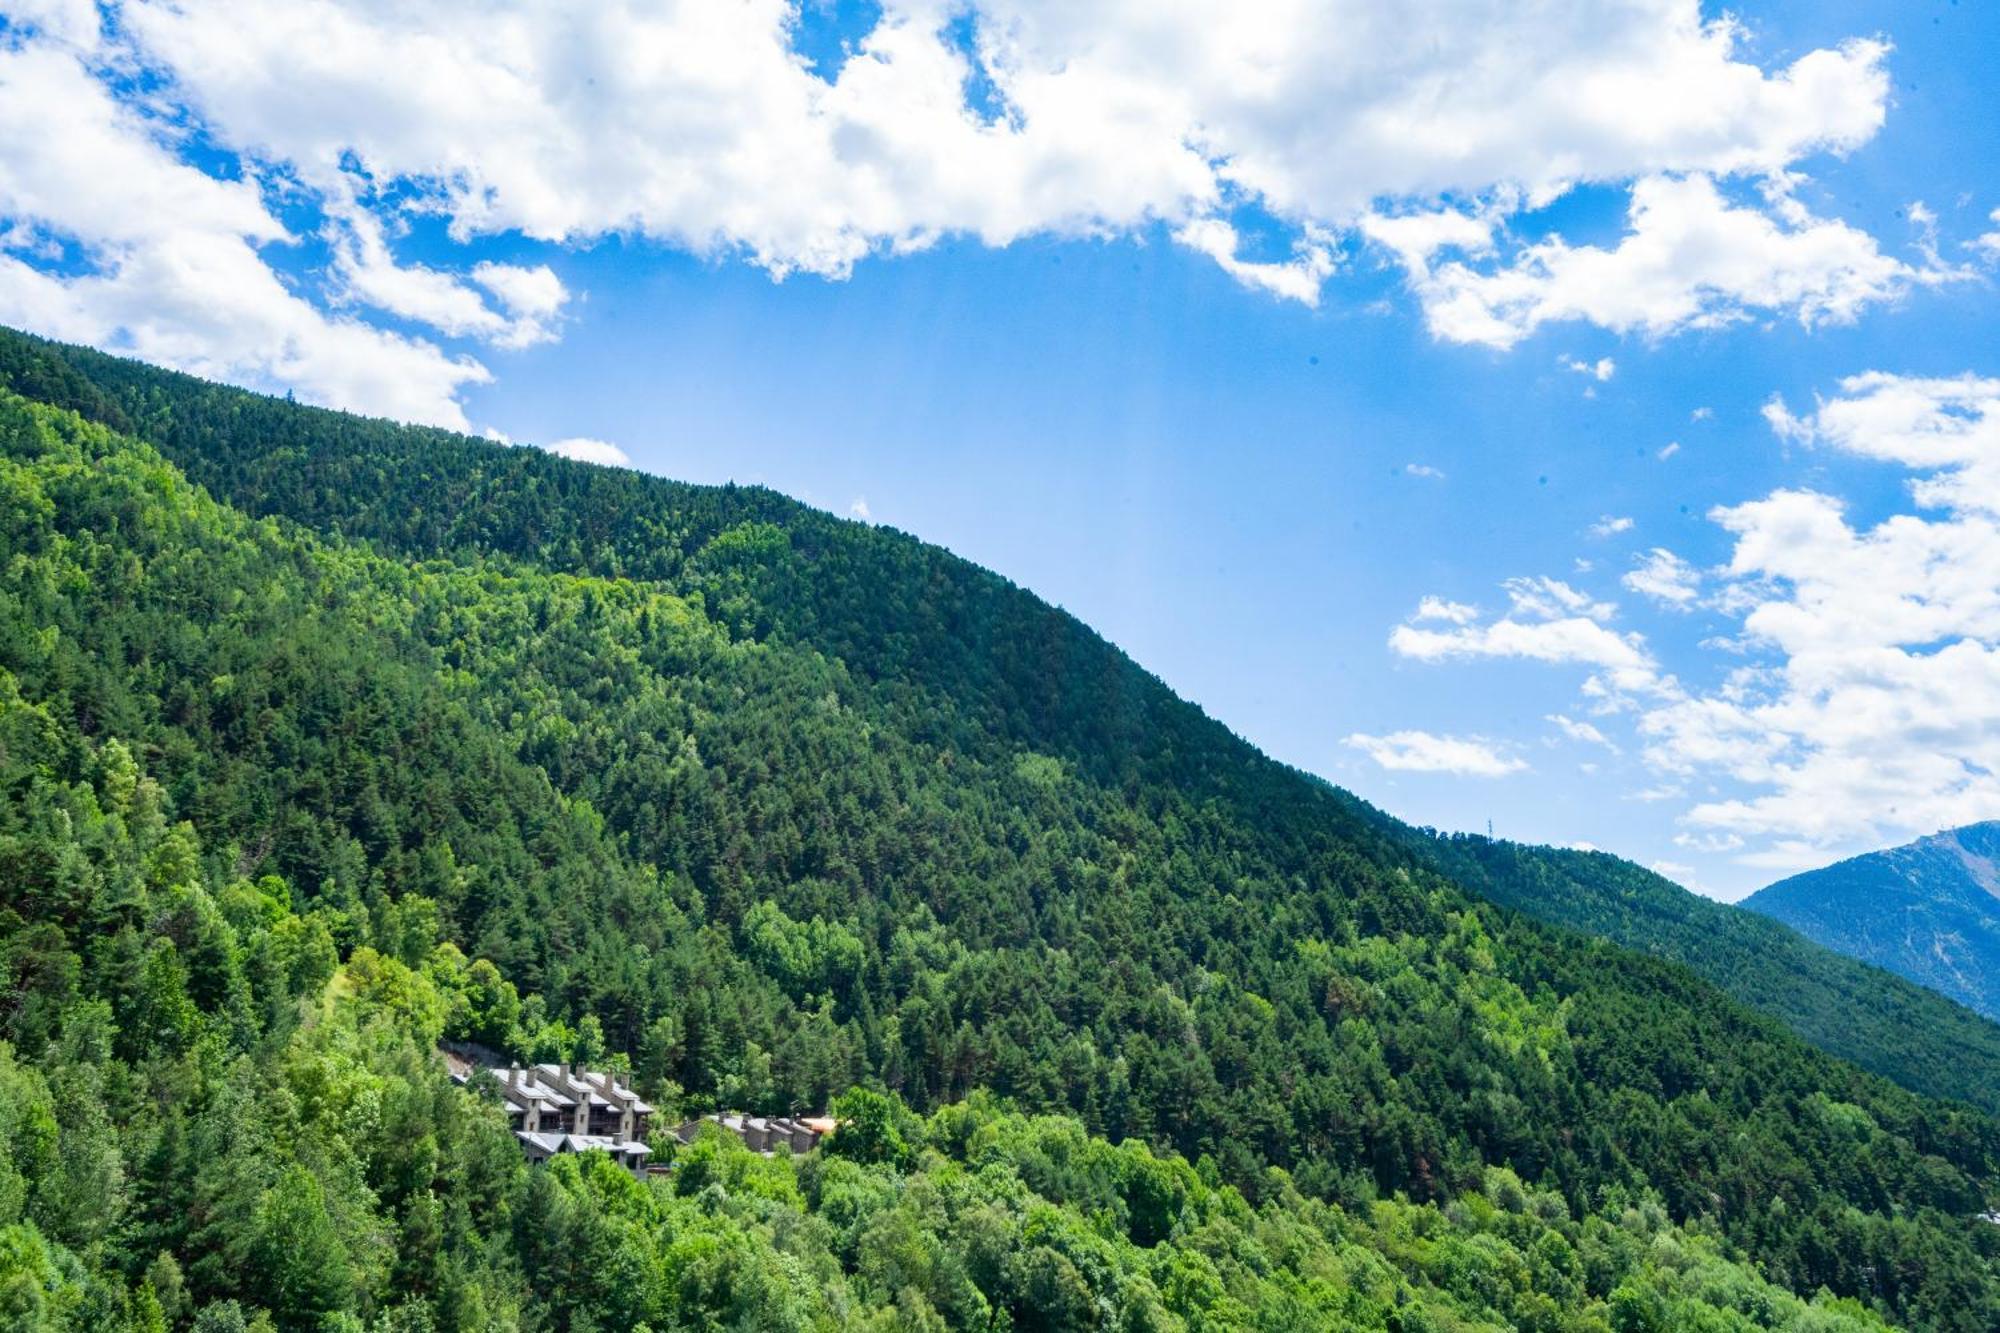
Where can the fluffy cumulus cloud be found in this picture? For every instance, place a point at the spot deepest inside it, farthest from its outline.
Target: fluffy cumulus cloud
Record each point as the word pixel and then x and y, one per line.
pixel 1414 132
pixel 1424 752
pixel 1692 257
pixel 528 299
pixel 1947 429
pixel 175 267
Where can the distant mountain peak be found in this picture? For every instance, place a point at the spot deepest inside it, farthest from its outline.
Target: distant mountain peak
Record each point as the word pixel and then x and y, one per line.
pixel 1978 848
pixel 1928 910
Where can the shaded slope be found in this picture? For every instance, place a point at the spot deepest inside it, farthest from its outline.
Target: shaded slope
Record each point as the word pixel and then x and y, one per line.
pixel 1928 910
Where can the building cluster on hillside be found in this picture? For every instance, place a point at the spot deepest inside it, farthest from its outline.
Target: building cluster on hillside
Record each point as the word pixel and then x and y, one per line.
pixel 556 1109
pixel 565 1109
pixel 764 1134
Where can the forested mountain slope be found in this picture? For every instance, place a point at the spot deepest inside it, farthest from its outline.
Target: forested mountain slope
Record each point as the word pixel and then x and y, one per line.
pixel 1928 910
pixel 952 649
pixel 779 805
pixel 1854 1009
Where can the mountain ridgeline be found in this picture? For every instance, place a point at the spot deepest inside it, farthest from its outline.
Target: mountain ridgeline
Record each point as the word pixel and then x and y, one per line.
pixel 323 739
pixel 1928 910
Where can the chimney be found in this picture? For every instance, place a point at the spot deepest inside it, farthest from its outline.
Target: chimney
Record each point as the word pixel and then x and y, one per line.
pixel 513 1075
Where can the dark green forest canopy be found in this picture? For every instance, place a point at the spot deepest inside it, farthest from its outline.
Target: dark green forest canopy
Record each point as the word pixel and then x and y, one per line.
pixel 777 805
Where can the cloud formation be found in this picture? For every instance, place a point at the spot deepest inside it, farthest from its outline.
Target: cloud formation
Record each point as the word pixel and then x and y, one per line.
pixel 1861 700
pixel 586 450
pixel 176 267
pixel 1873 708
pixel 1547 621
pixel 1691 258
pixel 1426 752
pixel 1665 578
pixel 1275 139
pixel 1580 731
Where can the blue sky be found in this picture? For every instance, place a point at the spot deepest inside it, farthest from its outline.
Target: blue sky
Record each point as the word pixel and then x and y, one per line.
pixel 1248 461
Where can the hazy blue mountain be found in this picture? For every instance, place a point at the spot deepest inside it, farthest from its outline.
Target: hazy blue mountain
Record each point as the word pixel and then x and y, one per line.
pixel 1929 910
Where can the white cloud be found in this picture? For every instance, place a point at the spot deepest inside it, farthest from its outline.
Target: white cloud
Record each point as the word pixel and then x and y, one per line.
pixel 1864 703
pixel 1574 639
pixel 532 295
pixel 1425 752
pixel 1712 844
pixel 1580 731
pixel 1781 421
pixel 1546 598
pixel 1437 608
pixel 1668 450
pixel 1666 578
pixel 1988 243
pixel 1547 621
pixel 1785 856
pixel 1600 370
pixel 1415 236
pixel 697 123
pixel 859 509
pixel 176 267
pixel 1610 526
pixel 1701 414
pixel 1947 427
pixel 1298 278
pixel 586 450
pixel 72 22
pixel 1424 470
pixel 367 273
pixel 699 126
pixel 1691 259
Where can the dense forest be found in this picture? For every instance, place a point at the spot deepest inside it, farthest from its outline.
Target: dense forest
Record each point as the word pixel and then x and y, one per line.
pixel 1854 1009
pixel 322 739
